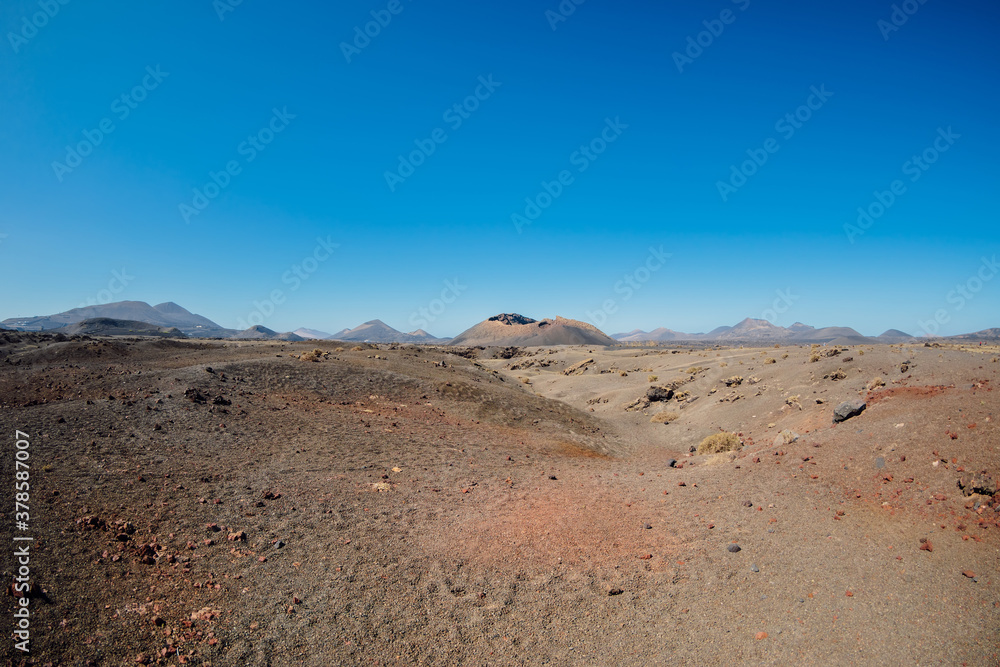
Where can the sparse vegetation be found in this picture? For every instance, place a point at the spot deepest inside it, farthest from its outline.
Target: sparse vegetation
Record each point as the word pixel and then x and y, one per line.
pixel 736 380
pixel 720 442
pixel 652 378
pixel 696 369
pixel 876 383
pixel 664 417
pixel 722 364
pixel 357 348
pixel 813 358
pixel 682 396
pixel 770 360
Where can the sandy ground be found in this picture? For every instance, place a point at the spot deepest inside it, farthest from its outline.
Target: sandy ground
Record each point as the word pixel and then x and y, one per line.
pixel 231 504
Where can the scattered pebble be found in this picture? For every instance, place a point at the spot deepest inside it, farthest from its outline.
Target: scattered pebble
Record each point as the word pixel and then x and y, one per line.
pixel 733 548
pixel 754 568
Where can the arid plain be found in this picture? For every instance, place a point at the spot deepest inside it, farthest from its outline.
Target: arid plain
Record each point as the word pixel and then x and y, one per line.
pixel 271 503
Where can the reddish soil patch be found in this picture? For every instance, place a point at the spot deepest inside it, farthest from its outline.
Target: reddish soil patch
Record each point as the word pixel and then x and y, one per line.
pixel 875 397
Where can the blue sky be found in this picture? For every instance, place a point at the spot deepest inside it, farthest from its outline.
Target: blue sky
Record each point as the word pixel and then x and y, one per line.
pixel 310 117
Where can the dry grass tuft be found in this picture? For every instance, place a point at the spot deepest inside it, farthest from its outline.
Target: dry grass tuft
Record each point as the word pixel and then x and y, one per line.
pixel 876 383
pixel 720 458
pixel 651 378
pixel 664 417
pixel 720 442
pixel 770 360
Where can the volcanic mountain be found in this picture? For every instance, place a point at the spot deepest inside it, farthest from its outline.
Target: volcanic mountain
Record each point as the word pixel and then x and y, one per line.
pixel 167 314
pixel 511 329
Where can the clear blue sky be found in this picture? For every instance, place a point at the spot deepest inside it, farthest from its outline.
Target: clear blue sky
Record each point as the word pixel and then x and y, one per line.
pixel 206 84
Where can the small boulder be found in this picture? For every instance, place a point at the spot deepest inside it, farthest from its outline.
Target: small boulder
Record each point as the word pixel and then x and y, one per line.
pixel 848 409
pixel 659 394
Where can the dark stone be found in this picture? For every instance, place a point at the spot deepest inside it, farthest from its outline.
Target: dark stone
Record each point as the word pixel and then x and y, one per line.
pixel 980 483
pixel 848 409
pixel 733 548
pixel 659 394
pixel 672 463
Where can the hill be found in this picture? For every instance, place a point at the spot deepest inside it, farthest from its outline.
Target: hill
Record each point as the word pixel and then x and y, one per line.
pixel 106 326
pixel 259 332
pixel 511 329
pixel 311 334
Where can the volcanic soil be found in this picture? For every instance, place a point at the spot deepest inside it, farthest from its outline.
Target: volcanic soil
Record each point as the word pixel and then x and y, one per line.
pixel 274 503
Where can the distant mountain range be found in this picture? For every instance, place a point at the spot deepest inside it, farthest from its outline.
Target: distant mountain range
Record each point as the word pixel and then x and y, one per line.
pixel 377 331
pixel 761 331
pixel 505 329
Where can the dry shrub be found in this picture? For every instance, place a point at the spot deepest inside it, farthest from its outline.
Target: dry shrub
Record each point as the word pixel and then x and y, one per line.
pixel 696 369
pixel 718 459
pixel 770 360
pixel 777 346
pixel 814 358
pixel 720 442
pixel 357 348
pixel 652 378
pixel 876 383
pixel 682 396
pixel 722 364
pixel 784 356
pixel 664 417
